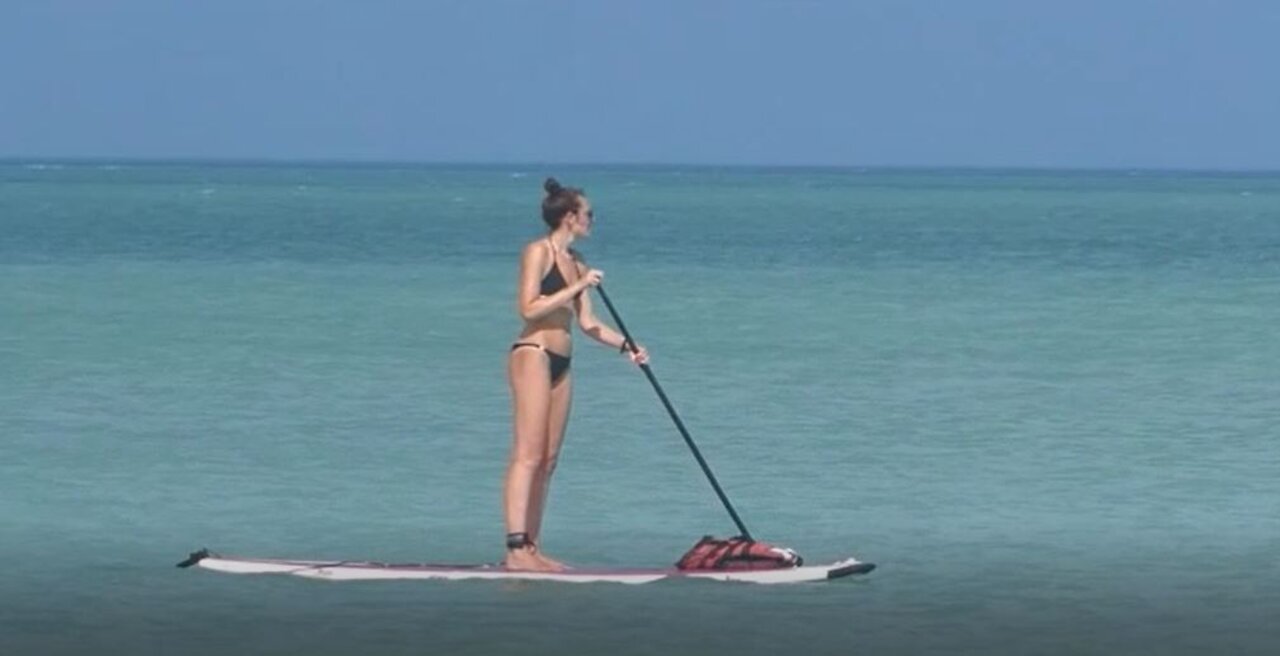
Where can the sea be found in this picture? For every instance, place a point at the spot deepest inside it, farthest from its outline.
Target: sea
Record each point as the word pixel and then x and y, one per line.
pixel 1046 403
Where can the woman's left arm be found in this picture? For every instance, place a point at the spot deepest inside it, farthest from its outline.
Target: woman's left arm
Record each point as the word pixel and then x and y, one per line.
pixel 600 331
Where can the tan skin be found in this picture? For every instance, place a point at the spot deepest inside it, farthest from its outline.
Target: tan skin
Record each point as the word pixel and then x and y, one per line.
pixel 540 409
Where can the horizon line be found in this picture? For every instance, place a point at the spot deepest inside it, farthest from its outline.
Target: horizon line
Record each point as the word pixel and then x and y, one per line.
pixel 379 163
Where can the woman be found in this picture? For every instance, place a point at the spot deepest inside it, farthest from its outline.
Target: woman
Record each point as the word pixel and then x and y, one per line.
pixel 550 293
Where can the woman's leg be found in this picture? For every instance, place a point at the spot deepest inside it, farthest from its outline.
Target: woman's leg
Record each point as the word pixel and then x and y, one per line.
pixel 528 375
pixel 557 420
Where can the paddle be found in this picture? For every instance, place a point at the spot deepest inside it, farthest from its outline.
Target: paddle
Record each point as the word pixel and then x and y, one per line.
pixel 631 344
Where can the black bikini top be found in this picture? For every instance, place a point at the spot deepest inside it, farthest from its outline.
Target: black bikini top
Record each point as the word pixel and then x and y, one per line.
pixel 554 281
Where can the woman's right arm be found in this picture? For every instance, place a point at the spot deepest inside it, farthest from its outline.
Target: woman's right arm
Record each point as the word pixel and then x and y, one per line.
pixel 531 303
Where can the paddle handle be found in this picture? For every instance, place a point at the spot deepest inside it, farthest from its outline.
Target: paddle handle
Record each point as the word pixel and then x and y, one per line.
pixel 666 403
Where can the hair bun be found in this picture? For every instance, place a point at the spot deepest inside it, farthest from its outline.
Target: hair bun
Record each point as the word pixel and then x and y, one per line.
pixel 552 186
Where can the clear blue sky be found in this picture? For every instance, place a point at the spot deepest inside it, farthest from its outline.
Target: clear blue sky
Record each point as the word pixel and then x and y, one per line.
pixel 1070 83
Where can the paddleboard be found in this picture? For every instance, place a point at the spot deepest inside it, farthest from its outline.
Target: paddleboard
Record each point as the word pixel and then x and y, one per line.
pixel 352 570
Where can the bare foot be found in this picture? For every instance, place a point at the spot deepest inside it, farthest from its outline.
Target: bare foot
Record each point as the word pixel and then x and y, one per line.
pixel 552 562
pixel 528 560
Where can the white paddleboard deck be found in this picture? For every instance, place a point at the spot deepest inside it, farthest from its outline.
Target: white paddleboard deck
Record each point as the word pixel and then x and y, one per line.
pixel 349 570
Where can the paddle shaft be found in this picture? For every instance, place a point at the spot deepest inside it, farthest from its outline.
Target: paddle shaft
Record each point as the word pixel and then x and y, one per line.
pixel 648 372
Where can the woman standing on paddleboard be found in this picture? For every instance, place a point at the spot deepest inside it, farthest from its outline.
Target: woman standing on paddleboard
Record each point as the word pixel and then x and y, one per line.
pixel 550 294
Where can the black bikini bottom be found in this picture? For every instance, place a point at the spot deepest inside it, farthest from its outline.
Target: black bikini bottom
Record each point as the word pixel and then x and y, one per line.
pixel 559 363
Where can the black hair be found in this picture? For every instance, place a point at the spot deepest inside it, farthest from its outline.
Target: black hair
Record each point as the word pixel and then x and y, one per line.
pixel 560 201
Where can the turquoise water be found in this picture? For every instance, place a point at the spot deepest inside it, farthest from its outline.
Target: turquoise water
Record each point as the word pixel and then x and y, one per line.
pixel 1044 402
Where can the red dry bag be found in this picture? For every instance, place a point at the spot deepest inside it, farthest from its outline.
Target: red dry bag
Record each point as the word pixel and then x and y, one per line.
pixel 737 553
